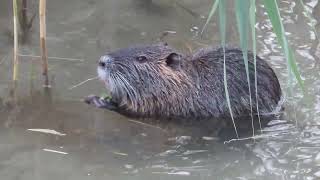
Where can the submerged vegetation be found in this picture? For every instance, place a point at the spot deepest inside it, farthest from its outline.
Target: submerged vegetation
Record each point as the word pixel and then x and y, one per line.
pixel 22 26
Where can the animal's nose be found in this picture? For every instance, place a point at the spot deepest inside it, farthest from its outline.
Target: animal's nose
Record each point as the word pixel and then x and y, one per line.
pixel 104 60
pixel 102 64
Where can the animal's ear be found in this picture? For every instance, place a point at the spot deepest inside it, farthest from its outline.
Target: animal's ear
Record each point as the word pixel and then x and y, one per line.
pixel 174 60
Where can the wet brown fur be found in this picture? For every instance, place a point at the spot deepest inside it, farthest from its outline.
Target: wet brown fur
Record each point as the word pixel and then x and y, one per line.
pixel 171 85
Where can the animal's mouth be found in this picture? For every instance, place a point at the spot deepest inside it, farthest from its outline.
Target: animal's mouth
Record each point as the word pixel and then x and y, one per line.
pixel 117 81
pixel 104 76
pixel 105 66
pixel 118 86
pixel 111 81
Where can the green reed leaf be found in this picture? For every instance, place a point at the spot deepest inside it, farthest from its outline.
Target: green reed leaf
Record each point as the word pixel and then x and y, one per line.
pixel 212 11
pixel 252 15
pixel 274 15
pixel 242 15
pixel 222 26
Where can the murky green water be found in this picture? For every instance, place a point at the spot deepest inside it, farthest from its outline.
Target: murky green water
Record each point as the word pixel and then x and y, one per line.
pixel 89 143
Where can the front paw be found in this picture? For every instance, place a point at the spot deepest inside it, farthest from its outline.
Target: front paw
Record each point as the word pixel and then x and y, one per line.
pixel 95 100
pixel 99 102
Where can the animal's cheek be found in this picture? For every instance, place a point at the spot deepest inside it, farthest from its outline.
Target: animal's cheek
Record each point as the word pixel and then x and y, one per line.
pixel 102 73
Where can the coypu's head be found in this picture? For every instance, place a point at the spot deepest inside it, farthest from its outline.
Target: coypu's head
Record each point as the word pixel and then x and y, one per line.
pixel 138 76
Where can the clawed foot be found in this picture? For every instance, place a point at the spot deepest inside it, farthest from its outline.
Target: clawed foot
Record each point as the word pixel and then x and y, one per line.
pixel 100 102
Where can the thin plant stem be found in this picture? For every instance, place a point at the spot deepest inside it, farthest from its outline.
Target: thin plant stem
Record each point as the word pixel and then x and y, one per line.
pixel 24 13
pixel 222 21
pixel 23 18
pixel 213 9
pixel 242 16
pixel 44 56
pixel 16 41
pixel 254 47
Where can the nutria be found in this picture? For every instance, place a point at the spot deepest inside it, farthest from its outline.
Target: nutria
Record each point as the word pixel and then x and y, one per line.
pixel 156 81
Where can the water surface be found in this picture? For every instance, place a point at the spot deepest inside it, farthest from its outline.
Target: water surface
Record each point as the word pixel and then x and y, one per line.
pixel 89 143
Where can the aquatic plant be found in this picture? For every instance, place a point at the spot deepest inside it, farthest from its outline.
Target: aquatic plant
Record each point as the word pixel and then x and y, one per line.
pixel 20 22
pixel 245 15
pixel 245 12
pixel 43 47
pixel 16 42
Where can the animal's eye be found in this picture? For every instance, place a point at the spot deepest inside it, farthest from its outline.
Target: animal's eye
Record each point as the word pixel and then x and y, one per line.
pixel 141 59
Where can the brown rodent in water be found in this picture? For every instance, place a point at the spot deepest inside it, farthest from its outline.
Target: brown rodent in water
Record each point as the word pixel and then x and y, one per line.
pixel 156 81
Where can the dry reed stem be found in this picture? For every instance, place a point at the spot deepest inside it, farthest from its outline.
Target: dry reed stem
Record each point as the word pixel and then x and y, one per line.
pixel 44 57
pixel 24 17
pixel 15 48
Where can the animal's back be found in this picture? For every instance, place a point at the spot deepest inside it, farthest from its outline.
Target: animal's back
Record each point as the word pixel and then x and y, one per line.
pixel 209 65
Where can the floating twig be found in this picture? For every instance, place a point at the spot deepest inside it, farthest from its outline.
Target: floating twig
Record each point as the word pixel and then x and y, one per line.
pixel 54 151
pixel 47 131
pixel 119 153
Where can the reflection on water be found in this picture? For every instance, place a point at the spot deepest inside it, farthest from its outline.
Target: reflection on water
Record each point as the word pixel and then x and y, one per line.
pixel 56 136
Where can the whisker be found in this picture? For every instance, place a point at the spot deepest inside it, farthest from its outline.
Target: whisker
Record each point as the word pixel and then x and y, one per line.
pixel 83 82
pixel 51 57
pixel 126 85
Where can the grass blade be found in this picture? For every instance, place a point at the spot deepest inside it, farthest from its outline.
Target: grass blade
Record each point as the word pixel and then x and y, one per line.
pixel 274 15
pixel 242 14
pixel 252 16
pixel 213 9
pixel 222 26
pixel 222 22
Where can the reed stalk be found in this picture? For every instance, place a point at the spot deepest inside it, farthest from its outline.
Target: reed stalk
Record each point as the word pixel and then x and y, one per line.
pixel 16 41
pixel 44 56
pixel 24 26
pixel 24 16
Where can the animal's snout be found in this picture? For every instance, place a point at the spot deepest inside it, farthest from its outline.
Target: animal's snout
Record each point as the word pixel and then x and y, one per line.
pixel 105 61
